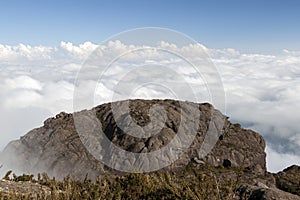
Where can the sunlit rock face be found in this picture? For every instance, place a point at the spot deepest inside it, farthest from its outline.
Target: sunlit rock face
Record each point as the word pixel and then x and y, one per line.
pixel 58 149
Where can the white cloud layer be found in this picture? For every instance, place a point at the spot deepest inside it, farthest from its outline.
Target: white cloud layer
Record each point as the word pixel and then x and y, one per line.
pixel 262 91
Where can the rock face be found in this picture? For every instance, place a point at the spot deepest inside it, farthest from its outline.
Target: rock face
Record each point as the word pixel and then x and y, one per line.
pixel 60 147
pixel 289 179
pixel 266 193
pixel 57 149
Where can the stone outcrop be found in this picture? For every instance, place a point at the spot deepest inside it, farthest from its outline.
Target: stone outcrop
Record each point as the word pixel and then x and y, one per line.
pixel 289 179
pixel 57 149
pixel 266 193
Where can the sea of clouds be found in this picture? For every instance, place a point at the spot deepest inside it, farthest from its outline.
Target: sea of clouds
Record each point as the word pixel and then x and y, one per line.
pixel 262 91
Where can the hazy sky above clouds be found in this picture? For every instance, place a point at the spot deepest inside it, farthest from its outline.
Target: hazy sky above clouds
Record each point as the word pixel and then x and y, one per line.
pixel 254 44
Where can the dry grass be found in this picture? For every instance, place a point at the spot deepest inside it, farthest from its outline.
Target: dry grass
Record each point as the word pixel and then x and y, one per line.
pixel 186 184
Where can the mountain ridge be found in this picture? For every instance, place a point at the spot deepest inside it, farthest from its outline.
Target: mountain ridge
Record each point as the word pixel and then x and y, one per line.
pixel 58 149
pixel 58 139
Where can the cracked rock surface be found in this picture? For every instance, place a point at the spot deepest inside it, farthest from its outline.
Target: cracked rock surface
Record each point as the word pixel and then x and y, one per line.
pixel 57 149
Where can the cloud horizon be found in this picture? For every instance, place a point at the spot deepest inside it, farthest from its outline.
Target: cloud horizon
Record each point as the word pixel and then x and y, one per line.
pixel 262 91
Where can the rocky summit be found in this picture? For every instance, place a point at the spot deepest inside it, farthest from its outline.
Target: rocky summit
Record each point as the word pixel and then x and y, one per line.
pixel 59 147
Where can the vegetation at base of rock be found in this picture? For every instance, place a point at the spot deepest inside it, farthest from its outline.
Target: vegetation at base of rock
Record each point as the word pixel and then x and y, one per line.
pixel 194 182
pixel 190 183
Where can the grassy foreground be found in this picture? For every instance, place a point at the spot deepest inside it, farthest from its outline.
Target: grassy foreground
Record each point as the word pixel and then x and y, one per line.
pixel 187 184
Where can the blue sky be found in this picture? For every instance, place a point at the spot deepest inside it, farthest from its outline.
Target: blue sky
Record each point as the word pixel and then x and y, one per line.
pixel 249 26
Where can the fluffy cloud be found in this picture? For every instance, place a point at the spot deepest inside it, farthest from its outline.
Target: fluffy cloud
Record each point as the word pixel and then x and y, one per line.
pixel 24 52
pixel 262 91
pixel 263 94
